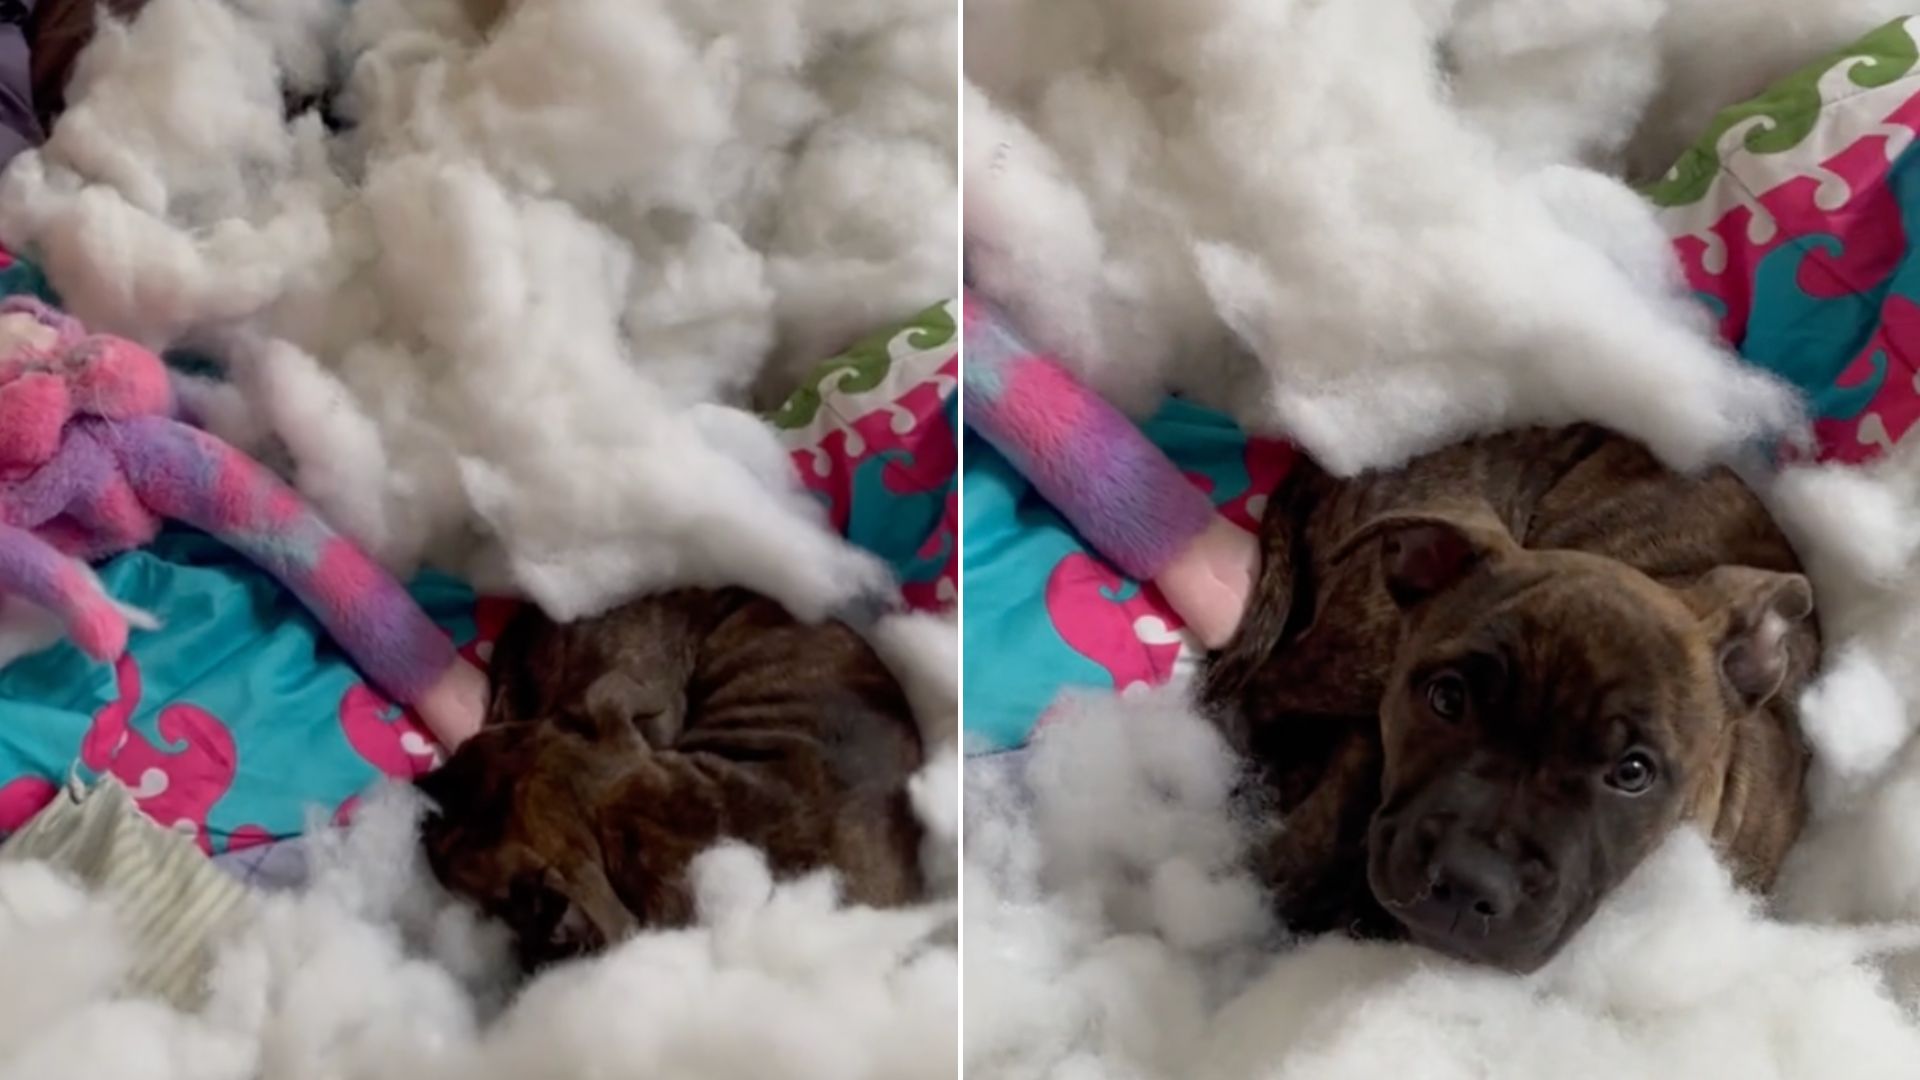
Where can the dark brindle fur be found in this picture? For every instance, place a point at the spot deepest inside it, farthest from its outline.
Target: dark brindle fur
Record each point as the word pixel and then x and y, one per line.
pixel 1446 668
pixel 618 748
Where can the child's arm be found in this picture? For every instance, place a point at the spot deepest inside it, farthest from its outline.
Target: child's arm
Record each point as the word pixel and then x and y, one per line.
pixel 1117 489
pixel 1083 455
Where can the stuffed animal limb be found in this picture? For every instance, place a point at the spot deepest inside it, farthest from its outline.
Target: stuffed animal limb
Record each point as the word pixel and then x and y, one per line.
pixel 1117 489
pixel 184 473
pixel 37 572
pixel 122 465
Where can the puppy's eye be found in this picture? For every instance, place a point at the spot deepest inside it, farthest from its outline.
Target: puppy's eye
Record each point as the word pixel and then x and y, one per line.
pixel 1447 696
pixel 1633 773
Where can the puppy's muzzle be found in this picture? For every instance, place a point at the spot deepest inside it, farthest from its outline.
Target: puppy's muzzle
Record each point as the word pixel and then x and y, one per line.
pixel 1469 889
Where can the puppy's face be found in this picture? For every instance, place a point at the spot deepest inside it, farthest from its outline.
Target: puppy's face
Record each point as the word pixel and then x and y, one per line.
pixel 1551 716
pixel 514 831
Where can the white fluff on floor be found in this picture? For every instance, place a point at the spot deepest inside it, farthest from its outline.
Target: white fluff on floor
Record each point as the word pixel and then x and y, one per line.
pixel 1108 934
pixel 476 320
pixel 372 972
pixel 1369 228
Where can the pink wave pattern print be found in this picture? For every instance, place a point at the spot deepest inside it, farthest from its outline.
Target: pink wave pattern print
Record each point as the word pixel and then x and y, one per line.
pixel 1724 260
pixel 828 468
pixel 388 737
pixel 23 797
pixel 1896 408
pixel 910 446
pixel 1136 639
pixel 944 544
pixel 1267 462
pixel 175 787
pixel 916 423
pixel 491 614
pixel 1848 197
pixel 247 836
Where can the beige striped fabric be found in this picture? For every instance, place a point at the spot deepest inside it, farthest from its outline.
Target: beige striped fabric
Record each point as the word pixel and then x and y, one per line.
pixel 169 899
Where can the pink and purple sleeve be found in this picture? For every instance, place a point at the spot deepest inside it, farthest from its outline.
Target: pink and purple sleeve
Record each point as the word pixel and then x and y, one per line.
pixel 183 473
pixel 1085 457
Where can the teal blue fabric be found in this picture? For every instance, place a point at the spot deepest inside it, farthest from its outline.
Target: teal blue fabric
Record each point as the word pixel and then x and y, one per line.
pixel 239 660
pixel 900 500
pixel 1015 660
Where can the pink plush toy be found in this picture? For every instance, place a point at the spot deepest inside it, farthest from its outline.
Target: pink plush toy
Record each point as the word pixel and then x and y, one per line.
pixel 92 462
pixel 1117 489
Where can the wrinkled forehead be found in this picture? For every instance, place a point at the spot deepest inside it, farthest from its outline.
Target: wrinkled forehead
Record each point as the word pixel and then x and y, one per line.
pixel 1576 644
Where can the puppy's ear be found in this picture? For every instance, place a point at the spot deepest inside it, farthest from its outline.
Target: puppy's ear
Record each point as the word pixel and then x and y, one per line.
pixel 470 780
pixel 519 677
pixel 1748 613
pixel 1424 552
pixel 621 708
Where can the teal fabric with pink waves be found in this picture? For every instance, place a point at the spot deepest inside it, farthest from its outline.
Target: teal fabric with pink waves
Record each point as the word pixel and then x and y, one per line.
pixel 1806 251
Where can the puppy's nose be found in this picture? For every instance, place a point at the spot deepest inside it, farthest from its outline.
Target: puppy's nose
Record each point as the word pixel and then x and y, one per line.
pixel 1471 879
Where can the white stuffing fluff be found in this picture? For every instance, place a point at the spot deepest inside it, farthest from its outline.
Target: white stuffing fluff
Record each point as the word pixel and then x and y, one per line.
pixel 372 971
pixel 923 651
pixel 71 946
pixel 1108 933
pixel 1861 531
pixel 1329 218
pixel 476 319
pixel 1104 904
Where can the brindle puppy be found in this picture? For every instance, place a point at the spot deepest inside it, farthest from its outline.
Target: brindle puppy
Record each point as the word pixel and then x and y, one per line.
pixel 1482 688
pixel 618 748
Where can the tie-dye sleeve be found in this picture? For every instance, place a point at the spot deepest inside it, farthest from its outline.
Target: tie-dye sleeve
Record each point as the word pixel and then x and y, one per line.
pixel 1083 455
